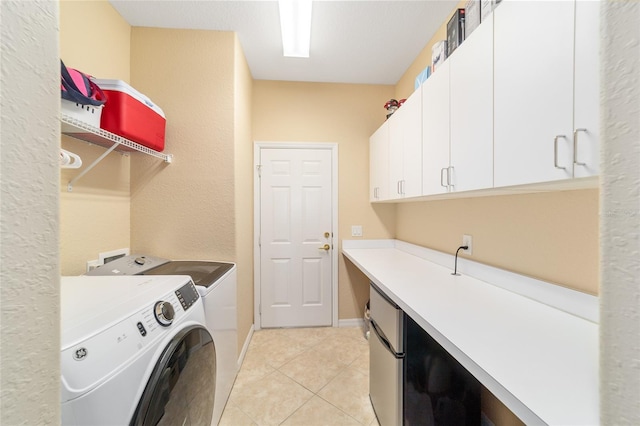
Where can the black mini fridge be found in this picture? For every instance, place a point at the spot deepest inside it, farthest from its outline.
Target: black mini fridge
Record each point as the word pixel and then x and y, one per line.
pixel 437 390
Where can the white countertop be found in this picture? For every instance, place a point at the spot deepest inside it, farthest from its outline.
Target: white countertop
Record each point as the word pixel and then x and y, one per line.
pixel 539 360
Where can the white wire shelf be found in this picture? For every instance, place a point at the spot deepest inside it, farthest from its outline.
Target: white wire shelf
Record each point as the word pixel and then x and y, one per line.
pixel 102 137
pixel 80 130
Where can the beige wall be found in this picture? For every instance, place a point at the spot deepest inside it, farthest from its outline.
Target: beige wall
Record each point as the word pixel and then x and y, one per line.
pixel 94 217
pixel 551 236
pixel 200 205
pixel 185 210
pixel 243 191
pixel 346 114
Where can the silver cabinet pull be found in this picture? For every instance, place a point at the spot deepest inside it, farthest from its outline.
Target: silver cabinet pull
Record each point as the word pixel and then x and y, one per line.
pixel 449 184
pixel 575 147
pixel 555 152
pixel 442 178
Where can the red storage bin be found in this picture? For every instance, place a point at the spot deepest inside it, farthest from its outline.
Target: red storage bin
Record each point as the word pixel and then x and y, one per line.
pixel 132 115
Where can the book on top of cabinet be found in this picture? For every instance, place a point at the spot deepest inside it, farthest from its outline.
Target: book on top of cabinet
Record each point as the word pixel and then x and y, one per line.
pixel 455 31
pixel 471 16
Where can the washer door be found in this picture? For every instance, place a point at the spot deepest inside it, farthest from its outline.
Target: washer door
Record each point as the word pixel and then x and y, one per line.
pixel 181 388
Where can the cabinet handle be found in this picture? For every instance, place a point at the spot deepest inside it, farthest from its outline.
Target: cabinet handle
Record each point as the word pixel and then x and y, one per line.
pixel 575 147
pixel 402 187
pixel 398 190
pixel 449 184
pixel 555 152
pixel 442 178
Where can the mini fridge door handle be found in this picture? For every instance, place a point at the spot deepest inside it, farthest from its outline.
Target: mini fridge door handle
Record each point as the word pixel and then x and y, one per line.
pixel 385 341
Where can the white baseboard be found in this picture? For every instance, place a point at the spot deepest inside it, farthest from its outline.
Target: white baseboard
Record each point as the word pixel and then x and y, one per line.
pixel 245 347
pixel 353 322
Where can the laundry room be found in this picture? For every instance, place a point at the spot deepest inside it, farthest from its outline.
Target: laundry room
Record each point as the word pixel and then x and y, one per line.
pixel 200 200
pixel 200 206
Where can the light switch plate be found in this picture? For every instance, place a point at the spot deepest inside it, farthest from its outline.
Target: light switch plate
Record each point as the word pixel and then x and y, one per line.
pixel 356 230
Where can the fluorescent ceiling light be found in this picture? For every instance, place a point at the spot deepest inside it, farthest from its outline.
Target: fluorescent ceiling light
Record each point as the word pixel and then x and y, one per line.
pixel 295 23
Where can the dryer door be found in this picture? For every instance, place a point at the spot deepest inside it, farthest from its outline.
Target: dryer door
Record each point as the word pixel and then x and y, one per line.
pixel 181 388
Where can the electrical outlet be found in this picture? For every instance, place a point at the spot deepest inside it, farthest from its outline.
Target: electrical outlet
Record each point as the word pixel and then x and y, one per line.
pixel 467 240
pixel 356 230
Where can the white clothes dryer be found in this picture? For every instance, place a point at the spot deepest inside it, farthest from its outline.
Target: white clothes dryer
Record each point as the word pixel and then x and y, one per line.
pixel 216 283
pixel 135 350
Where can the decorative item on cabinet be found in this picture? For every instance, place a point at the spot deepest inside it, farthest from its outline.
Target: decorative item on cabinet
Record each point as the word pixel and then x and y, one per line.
pixel 422 77
pixel 455 31
pixel 438 54
pixel 392 106
pixel 487 7
pixel 471 16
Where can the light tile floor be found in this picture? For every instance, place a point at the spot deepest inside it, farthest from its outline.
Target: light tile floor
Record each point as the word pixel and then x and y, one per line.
pixel 303 376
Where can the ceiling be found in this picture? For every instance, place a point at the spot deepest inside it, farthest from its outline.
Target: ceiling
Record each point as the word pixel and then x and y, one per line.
pixel 357 41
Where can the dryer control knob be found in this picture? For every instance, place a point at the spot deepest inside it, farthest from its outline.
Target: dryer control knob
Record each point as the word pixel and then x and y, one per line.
pixel 164 313
pixel 140 260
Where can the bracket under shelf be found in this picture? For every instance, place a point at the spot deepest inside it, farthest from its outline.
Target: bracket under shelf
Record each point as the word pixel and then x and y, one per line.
pixel 82 131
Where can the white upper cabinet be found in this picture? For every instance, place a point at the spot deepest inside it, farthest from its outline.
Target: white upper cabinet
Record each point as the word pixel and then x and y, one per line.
pixel 516 104
pixel 586 126
pixel 533 89
pixel 379 164
pixel 547 86
pixel 471 90
pixel 405 149
pixel 436 174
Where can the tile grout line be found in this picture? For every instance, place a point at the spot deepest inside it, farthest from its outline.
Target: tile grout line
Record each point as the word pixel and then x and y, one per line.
pixel 324 341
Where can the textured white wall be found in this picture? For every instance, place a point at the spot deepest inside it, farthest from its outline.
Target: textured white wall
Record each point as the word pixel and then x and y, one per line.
pixel 29 176
pixel 620 215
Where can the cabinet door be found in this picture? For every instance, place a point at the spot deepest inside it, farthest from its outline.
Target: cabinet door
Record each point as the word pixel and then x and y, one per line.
pixel 587 90
pixel 405 149
pixel 396 131
pixel 411 185
pixel 533 89
pixel 472 110
pixel 379 164
pixel 435 131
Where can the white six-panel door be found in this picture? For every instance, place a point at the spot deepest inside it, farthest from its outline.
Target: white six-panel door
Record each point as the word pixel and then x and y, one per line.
pixel 295 237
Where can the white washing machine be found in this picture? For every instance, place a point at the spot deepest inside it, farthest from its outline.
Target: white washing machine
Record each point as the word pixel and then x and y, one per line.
pixel 135 350
pixel 216 283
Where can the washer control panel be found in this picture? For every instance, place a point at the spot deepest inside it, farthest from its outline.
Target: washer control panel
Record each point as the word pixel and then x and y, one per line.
pixel 187 295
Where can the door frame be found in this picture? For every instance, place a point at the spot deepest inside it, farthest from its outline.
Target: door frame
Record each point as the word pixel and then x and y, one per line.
pixel 257 147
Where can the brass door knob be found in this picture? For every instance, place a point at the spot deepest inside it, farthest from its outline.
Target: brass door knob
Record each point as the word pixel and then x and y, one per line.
pixel 325 247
